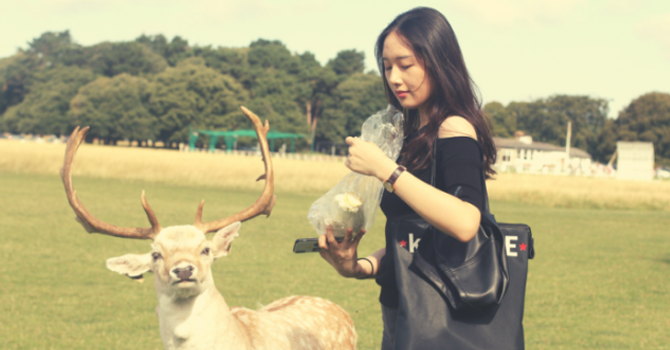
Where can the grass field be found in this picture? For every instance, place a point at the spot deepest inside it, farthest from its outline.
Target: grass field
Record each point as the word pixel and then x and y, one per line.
pixel 599 280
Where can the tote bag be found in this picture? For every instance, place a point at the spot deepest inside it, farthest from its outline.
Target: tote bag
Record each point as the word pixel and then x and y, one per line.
pixel 426 319
pixel 430 314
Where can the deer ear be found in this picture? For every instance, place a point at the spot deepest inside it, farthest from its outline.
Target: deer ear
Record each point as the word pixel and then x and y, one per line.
pixel 131 265
pixel 224 238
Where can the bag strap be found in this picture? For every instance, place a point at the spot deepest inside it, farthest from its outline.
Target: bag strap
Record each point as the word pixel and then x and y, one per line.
pixel 482 178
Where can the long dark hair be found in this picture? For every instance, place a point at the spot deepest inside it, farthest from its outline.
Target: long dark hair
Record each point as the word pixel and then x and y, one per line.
pixel 435 45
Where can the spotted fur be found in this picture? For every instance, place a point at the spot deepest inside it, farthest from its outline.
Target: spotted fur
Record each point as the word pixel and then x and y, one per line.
pixel 298 322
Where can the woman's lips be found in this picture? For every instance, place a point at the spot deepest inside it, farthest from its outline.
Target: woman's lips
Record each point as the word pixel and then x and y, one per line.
pixel 401 94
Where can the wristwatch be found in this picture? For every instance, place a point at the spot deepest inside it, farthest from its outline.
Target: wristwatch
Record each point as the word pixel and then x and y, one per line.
pixel 388 184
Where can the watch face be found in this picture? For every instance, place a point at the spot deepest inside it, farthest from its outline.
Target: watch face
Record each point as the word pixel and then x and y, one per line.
pixel 388 186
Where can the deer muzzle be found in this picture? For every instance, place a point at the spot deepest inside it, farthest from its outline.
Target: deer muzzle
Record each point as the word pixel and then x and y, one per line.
pixel 182 273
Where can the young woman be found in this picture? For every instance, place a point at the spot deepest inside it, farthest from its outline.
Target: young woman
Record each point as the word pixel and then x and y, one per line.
pixel 425 76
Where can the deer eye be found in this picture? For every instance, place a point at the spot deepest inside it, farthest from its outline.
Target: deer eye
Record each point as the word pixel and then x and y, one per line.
pixel 205 251
pixel 156 255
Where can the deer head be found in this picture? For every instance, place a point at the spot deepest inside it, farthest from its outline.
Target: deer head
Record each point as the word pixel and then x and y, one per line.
pixel 181 256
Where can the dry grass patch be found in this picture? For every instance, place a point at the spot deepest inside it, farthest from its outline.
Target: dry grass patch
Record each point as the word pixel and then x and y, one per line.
pixel 170 167
pixel 580 192
pixel 299 176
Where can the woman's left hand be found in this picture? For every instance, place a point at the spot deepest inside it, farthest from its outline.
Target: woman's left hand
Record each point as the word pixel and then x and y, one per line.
pixel 368 159
pixel 342 256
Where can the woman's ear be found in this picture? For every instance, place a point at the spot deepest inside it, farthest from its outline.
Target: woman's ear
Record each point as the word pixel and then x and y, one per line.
pixel 224 238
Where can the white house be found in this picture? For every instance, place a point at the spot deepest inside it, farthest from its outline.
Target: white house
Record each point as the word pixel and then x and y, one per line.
pixel 521 154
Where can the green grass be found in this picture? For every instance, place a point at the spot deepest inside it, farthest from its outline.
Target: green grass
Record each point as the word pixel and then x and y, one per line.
pixel 599 281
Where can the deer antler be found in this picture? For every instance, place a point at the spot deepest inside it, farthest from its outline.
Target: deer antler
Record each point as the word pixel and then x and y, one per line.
pixel 84 217
pixel 265 202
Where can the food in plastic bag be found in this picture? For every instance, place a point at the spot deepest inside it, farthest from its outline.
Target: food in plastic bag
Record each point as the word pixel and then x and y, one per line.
pixel 353 202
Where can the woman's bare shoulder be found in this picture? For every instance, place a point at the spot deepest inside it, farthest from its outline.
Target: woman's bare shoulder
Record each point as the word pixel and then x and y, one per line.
pixel 455 126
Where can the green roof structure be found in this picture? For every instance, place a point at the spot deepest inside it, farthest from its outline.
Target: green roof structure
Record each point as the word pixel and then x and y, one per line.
pixel 229 137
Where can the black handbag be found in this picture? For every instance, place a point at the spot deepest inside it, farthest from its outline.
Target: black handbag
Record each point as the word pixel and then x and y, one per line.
pixel 455 295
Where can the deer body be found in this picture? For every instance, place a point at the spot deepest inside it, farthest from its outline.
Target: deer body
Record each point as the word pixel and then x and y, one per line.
pixel 209 321
pixel 296 322
pixel 192 313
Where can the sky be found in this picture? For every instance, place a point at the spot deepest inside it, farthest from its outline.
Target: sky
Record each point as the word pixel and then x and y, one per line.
pixel 515 50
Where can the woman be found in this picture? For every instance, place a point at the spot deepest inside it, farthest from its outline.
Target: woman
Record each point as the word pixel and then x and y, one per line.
pixel 425 76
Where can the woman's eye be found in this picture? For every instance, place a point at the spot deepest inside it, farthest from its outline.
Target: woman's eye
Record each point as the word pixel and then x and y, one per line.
pixel 387 68
pixel 205 251
pixel 156 255
pixel 405 67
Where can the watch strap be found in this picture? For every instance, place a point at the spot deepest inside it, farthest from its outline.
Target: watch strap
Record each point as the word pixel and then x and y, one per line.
pixel 392 179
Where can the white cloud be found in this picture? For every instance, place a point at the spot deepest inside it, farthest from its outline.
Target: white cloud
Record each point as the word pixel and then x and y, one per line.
pixel 657 28
pixel 515 11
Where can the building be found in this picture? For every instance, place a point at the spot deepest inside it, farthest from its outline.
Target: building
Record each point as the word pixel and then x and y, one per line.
pixel 635 160
pixel 521 154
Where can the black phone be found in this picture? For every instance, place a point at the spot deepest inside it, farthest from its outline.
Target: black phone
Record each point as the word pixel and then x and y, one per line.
pixel 309 245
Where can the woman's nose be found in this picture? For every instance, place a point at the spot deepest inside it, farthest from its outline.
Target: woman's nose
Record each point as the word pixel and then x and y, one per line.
pixel 394 77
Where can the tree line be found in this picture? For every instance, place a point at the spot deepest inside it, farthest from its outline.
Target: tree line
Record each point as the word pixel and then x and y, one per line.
pixel 153 88
pixel 646 118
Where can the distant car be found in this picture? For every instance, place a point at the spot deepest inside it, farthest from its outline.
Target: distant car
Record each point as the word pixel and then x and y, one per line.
pixel 663 172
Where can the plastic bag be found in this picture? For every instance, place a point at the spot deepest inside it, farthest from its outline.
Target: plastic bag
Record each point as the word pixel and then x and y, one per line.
pixel 353 202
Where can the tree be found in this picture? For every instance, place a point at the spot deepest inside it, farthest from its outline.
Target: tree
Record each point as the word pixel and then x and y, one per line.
pixel 272 54
pixel 282 85
pixel 587 114
pixel 546 119
pixel 606 142
pixel 193 94
pixel 16 74
pixel 354 100
pixel 51 44
pixel 57 48
pixel 347 62
pixel 647 118
pixel 110 59
pixel 181 85
pixel 276 95
pixel 115 109
pixel 44 109
pixel 173 51
pixel 503 122
pixel 230 61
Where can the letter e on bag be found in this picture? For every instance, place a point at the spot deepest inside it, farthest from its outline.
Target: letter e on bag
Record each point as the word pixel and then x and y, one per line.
pixel 509 245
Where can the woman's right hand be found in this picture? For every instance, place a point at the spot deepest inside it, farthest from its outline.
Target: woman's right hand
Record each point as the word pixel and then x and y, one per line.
pixel 342 256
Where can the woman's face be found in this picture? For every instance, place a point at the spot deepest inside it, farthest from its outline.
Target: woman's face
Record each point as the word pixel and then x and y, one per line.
pixel 405 74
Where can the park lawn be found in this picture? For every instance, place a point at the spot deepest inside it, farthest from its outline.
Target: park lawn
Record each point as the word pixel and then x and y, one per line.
pixel 599 280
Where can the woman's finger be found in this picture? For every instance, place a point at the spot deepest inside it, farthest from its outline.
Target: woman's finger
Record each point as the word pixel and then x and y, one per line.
pixel 324 255
pixel 349 140
pixel 331 236
pixel 347 235
pixel 322 242
pixel 359 236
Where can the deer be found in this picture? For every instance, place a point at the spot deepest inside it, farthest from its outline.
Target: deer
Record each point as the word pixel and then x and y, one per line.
pixel 192 313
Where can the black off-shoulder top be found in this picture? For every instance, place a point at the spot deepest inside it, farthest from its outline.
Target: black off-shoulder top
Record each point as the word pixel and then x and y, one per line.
pixel 459 164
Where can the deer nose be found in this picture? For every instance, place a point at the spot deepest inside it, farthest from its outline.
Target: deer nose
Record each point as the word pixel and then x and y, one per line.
pixel 183 272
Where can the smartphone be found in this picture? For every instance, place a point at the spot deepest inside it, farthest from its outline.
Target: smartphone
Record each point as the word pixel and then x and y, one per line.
pixel 309 245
